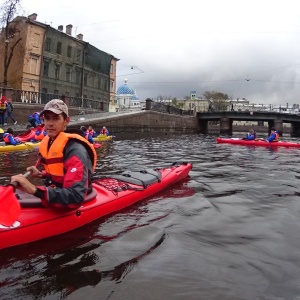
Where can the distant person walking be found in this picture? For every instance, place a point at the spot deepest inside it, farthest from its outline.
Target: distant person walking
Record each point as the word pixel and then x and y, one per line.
pixel 9 111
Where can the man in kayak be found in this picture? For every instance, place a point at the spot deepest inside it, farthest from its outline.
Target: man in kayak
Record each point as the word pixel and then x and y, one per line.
pixel 251 135
pixel 104 131
pixel 274 136
pixel 8 137
pixel 69 161
pixel 92 132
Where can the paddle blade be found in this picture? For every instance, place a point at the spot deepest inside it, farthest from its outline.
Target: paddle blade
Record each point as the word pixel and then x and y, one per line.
pixel 9 206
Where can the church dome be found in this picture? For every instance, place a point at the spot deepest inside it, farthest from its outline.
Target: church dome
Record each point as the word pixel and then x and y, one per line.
pixel 125 89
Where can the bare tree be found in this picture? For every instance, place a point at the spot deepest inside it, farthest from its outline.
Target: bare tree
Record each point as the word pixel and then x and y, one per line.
pixel 219 101
pixel 8 33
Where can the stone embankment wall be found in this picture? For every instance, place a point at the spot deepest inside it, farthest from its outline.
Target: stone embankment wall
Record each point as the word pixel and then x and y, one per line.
pixel 139 121
pixel 143 121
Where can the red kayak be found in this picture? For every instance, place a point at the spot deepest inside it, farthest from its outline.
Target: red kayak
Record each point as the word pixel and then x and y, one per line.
pixel 26 136
pixel 236 141
pixel 110 194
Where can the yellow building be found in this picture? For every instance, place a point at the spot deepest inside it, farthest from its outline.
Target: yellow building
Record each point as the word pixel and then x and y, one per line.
pixel 25 66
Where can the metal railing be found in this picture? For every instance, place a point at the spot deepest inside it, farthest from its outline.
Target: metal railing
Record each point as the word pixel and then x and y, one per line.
pixel 21 96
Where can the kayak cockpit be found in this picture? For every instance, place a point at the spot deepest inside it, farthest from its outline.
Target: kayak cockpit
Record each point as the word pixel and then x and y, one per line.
pixel 115 183
pixel 27 201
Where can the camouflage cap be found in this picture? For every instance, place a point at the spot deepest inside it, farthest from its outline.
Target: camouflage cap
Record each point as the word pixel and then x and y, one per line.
pixel 57 106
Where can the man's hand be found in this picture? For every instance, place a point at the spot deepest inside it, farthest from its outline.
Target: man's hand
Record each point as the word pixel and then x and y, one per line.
pixel 23 184
pixel 34 172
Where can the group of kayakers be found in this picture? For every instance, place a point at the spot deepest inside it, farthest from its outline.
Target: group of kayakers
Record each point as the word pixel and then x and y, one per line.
pixel 273 137
pixel 36 121
pixel 9 138
pixel 89 133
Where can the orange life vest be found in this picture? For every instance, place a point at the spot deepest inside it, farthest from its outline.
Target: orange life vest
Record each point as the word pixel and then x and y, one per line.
pixel 277 137
pixel 3 105
pixel 6 138
pixel 52 159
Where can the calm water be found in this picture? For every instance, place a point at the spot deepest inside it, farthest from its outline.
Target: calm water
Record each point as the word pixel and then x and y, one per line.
pixel 229 231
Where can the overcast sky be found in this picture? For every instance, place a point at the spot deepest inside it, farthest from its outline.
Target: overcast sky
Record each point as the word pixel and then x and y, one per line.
pixel 246 49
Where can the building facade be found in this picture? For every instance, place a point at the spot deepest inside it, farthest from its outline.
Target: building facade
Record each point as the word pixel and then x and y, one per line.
pixel 52 63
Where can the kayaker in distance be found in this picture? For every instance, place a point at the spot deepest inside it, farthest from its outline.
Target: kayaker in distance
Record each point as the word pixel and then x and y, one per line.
pixel 251 135
pixel 104 131
pixel 87 134
pixel 34 120
pixel 8 137
pixel 69 161
pixel 274 136
pixel 92 132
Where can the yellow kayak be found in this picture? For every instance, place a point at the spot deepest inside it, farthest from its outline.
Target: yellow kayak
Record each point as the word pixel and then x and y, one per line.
pixel 102 137
pixel 19 147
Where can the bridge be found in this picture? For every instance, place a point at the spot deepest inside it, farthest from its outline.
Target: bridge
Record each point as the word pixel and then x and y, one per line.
pixel 226 118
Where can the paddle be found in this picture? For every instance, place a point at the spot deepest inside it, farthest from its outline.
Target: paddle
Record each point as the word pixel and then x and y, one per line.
pixel 9 205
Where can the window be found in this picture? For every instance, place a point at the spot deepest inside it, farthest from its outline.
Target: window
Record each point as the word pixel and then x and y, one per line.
pixel 69 51
pixel 78 76
pixel 106 85
pixel 85 79
pixel 68 74
pixel 99 85
pixel 36 40
pixel 56 92
pixel 48 44
pixel 92 80
pixel 111 68
pixel 34 65
pixel 111 86
pixel 57 71
pixel 78 56
pixel 58 48
pixel 46 68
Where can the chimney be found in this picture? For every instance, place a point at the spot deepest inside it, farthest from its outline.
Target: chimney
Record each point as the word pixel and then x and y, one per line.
pixel 80 36
pixel 60 28
pixel 32 17
pixel 69 29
